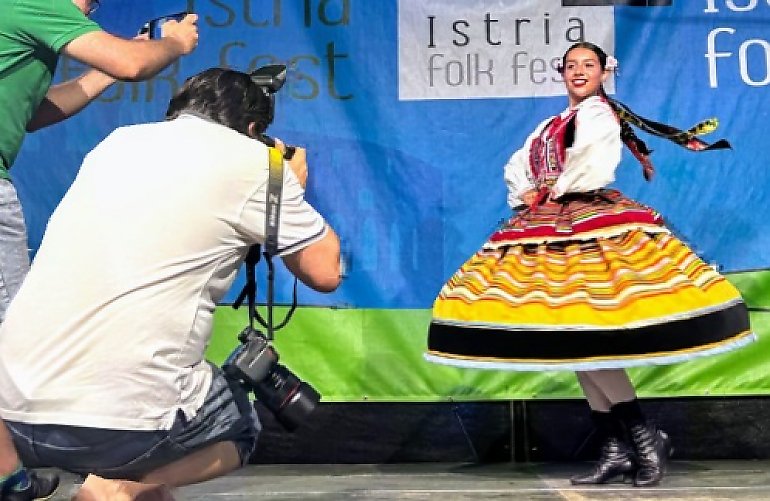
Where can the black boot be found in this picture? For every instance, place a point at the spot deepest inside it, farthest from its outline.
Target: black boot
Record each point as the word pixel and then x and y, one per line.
pixel 616 457
pixel 651 445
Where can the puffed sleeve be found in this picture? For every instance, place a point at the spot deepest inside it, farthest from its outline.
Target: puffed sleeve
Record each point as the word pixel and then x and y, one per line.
pixel 518 175
pixel 595 154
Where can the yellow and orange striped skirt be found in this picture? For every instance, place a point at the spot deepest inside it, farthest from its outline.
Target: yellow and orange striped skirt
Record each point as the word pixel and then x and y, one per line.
pixel 595 282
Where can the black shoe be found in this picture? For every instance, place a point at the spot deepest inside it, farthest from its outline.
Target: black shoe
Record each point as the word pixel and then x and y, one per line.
pixel 653 448
pixel 616 459
pixel 40 487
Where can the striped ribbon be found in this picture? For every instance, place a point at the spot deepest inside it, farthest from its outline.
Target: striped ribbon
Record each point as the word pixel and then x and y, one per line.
pixel 685 138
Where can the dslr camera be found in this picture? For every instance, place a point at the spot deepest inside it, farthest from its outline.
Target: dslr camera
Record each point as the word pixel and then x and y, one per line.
pixel 270 79
pixel 255 364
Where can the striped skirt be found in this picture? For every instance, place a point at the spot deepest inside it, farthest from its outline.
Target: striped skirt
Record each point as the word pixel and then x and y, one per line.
pixel 594 282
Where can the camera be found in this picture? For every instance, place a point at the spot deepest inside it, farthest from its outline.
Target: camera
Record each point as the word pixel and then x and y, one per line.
pixel 255 364
pixel 270 79
pixel 153 27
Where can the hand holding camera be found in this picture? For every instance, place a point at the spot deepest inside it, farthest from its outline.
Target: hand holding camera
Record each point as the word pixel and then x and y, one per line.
pixel 181 27
pixel 298 164
pixel 296 156
pixel 184 31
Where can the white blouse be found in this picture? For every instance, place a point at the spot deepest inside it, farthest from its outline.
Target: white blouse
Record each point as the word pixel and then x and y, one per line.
pixel 590 162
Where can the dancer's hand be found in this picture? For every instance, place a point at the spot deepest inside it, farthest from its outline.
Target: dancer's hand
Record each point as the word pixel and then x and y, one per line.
pixel 529 196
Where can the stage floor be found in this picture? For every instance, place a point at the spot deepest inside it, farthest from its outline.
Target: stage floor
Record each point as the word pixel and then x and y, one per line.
pixel 690 480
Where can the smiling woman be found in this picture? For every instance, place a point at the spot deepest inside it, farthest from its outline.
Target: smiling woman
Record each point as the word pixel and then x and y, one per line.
pixel 583 74
pixel 584 278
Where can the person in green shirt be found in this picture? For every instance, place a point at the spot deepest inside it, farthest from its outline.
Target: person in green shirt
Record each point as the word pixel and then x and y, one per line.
pixel 33 35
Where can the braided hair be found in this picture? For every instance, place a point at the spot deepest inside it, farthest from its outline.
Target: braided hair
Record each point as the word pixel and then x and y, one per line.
pixel 627 118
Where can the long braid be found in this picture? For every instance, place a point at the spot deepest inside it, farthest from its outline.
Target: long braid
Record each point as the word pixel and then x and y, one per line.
pixel 685 138
pixel 634 143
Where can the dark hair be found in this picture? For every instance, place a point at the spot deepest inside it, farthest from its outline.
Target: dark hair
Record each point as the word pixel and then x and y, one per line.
pixel 584 45
pixel 225 96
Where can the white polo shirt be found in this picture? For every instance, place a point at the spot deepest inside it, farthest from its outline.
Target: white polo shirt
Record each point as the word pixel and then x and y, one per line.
pixel 111 324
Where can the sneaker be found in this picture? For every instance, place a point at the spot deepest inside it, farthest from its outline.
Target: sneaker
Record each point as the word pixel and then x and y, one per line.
pixel 40 487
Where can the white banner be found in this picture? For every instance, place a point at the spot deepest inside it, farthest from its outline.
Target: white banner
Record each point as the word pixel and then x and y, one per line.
pixel 456 49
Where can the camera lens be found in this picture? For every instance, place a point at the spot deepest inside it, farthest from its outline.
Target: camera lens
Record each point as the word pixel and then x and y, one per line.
pixel 287 397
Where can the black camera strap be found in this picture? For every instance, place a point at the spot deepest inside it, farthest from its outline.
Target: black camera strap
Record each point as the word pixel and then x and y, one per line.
pixel 272 222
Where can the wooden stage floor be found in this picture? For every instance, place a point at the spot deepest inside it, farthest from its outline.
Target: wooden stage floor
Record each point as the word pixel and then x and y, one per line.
pixel 686 480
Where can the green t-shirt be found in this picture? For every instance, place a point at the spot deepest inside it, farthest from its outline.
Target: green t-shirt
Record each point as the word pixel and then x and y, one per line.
pixel 32 32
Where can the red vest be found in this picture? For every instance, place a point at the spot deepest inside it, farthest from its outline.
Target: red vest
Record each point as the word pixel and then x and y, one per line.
pixel 548 151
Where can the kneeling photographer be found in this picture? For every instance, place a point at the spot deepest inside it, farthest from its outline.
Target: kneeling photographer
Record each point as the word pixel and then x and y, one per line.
pixel 102 365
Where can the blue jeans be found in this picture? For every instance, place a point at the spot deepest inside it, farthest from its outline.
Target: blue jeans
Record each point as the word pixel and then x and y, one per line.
pixel 226 415
pixel 14 256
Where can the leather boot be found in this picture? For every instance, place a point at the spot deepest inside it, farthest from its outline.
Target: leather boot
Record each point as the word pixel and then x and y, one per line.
pixel 616 457
pixel 653 447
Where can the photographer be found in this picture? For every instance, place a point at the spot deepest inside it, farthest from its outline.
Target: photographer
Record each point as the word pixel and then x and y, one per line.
pixel 111 379
pixel 34 35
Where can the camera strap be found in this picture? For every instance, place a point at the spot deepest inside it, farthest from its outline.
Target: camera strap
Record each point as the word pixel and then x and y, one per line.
pixel 273 198
pixel 272 222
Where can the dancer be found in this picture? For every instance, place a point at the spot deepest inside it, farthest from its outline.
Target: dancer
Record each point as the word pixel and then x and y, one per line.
pixel 583 278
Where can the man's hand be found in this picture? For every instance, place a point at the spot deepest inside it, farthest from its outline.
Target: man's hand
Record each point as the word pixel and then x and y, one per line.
pixel 298 164
pixel 184 31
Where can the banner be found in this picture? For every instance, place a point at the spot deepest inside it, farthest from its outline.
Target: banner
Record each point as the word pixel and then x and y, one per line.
pixel 409 110
pixel 456 49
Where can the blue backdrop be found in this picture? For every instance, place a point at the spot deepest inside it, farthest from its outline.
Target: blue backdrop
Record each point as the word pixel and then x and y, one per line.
pixel 415 186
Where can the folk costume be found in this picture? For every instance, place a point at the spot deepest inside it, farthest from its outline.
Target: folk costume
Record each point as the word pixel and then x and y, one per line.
pixel 585 278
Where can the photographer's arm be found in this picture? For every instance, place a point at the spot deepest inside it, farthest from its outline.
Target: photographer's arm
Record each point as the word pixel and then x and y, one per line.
pixel 318 264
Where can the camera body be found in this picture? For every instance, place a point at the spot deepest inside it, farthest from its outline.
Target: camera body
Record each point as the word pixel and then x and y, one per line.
pixel 270 78
pixel 255 364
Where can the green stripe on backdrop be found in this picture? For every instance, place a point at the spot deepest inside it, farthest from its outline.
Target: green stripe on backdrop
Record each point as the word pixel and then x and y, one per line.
pixel 354 355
